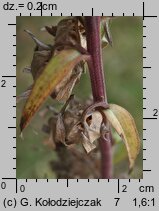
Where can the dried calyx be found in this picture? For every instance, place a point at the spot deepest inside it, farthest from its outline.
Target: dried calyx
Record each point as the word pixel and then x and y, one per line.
pixel 78 124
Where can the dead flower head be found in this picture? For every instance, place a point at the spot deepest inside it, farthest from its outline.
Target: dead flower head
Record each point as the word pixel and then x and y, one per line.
pixel 77 124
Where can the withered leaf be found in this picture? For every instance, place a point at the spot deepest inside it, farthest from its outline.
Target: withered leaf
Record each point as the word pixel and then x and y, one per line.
pixel 106 37
pixel 64 89
pixel 124 124
pixel 54 72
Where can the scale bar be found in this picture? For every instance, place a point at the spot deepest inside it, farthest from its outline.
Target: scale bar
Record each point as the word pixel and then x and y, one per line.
pixel 118 186
pixel 9 178
pixel 8 76
pixel 143 10
pixel 150 118
pixel 150 16
pixel 11 24
pixel 16 187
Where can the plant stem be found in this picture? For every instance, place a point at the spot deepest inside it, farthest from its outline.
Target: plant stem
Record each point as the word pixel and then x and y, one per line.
pixel 98 85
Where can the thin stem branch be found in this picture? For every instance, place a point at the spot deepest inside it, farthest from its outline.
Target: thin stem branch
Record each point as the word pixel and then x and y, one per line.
pixel 98 84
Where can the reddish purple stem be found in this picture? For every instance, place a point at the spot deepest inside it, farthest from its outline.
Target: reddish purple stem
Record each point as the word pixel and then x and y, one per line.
pixel 98 85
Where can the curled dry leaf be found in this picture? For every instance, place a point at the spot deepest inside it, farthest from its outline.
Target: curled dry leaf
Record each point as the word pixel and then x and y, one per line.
pixel 55 71
pixel 122 121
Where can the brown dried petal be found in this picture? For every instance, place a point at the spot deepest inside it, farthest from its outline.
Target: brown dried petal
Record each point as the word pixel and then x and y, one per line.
pixel 68 85
pixel 60 130
pixel 88 146
pixel 94 128
pixel 74 134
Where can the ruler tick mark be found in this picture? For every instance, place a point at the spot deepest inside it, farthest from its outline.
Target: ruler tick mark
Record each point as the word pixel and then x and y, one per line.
pixel 92 11
pixel 16 186
pixel 118 186
pixel 11 24
pixel 146 67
